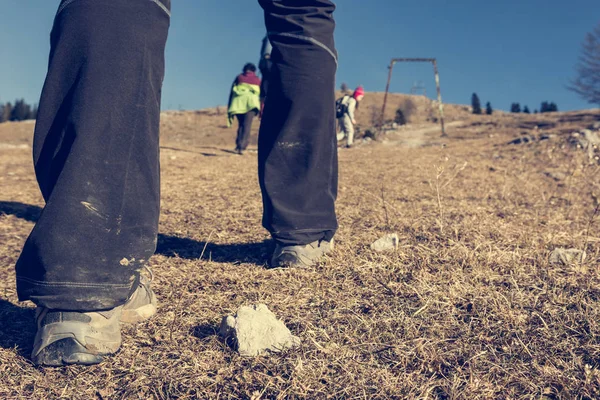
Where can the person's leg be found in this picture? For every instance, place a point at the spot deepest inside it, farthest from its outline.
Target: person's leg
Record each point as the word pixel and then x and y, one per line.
pixel 240 131
pixel 96 161
pixel 341 132
pixel 247 129
pixel 297 145
pixel 349 129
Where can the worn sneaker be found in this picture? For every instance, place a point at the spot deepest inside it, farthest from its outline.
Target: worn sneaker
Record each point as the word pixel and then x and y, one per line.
pixel 67 337
pixel 300 255
pixel 142 303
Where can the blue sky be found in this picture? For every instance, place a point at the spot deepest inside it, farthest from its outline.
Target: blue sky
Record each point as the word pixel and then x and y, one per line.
pixel 504 50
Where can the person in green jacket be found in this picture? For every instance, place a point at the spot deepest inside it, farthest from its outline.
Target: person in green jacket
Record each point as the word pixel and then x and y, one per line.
pixel 244 104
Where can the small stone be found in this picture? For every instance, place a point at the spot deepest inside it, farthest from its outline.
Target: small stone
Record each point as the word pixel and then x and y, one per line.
pixel 546 137
pixel 524 139
pixel 556 175
pixel 560 256
pixel 255 330
pixel 386 242
pixel 593 138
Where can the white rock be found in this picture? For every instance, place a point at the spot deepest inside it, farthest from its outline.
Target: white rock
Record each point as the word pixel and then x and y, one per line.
pixel 386 242
pixel 560 256
pixel 255 330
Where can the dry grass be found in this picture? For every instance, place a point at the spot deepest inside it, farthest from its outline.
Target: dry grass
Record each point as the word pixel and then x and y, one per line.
pixel 467 308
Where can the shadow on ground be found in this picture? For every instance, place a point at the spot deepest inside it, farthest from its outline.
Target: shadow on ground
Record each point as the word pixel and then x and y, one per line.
pixel 24 211
pixel 189 151
pixel 252 253
pixel 204 331
pixel 172 246
pixel 17 327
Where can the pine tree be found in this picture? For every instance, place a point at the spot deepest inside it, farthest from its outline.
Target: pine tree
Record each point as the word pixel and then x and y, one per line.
pixel 548 106
pixel 488 108
pixel 33 112
pixel 400 119
pixel 475 104
pixel 526 110
pixel 20 111
pixel 515 108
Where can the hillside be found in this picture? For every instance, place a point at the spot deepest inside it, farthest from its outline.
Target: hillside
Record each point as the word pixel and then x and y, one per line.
pixel 469 306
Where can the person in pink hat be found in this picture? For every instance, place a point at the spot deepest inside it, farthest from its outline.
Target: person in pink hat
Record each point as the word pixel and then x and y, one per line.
pixel 345 108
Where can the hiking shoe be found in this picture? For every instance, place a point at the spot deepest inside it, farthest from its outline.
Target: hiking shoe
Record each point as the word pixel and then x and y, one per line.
pixel 68 337
pixel 291 256
pixel 142 303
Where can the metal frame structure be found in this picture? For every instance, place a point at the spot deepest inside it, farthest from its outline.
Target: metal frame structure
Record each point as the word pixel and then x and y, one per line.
pixel 437 84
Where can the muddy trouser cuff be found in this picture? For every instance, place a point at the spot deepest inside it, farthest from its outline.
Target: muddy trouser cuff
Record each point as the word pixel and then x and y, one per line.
pixel 298 168
pixel 96 155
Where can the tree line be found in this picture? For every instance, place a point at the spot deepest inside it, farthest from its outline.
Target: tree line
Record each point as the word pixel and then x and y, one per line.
pixel 19 111
pixel 586 83
pixel 546 106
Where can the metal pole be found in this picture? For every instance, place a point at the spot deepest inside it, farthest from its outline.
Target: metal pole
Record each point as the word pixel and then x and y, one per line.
pixel 437 84
pixel 439 95
pixel 387 89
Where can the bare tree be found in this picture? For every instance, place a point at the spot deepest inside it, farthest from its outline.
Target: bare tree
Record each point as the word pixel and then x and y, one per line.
pixel 587 81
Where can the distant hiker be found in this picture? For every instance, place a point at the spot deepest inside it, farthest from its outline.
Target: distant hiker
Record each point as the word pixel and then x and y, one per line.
pixel 97 163
pixel 264 65
pixel 244 104
pixel 345 108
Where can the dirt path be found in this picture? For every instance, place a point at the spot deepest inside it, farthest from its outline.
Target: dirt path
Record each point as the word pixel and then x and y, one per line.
pixel 412 136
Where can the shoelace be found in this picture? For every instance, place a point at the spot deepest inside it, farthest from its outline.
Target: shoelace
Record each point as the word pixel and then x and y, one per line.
pixel 149 270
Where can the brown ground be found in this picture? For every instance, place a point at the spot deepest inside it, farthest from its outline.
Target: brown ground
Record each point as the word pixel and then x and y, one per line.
pixel 468 307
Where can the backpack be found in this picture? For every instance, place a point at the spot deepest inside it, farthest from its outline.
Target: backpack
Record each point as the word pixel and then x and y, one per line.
pixel 341 109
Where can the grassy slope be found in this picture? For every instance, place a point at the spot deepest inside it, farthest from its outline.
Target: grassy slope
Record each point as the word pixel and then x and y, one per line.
pixel 468 307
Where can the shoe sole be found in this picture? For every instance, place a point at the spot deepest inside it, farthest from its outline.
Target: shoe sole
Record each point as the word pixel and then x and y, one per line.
pixel 67 351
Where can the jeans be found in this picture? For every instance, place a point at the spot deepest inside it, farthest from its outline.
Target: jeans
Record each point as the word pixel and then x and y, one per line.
pixel 96 145
pixel 244 128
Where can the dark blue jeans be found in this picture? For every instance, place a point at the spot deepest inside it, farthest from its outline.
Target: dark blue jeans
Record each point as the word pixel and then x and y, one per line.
pixel 96 145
